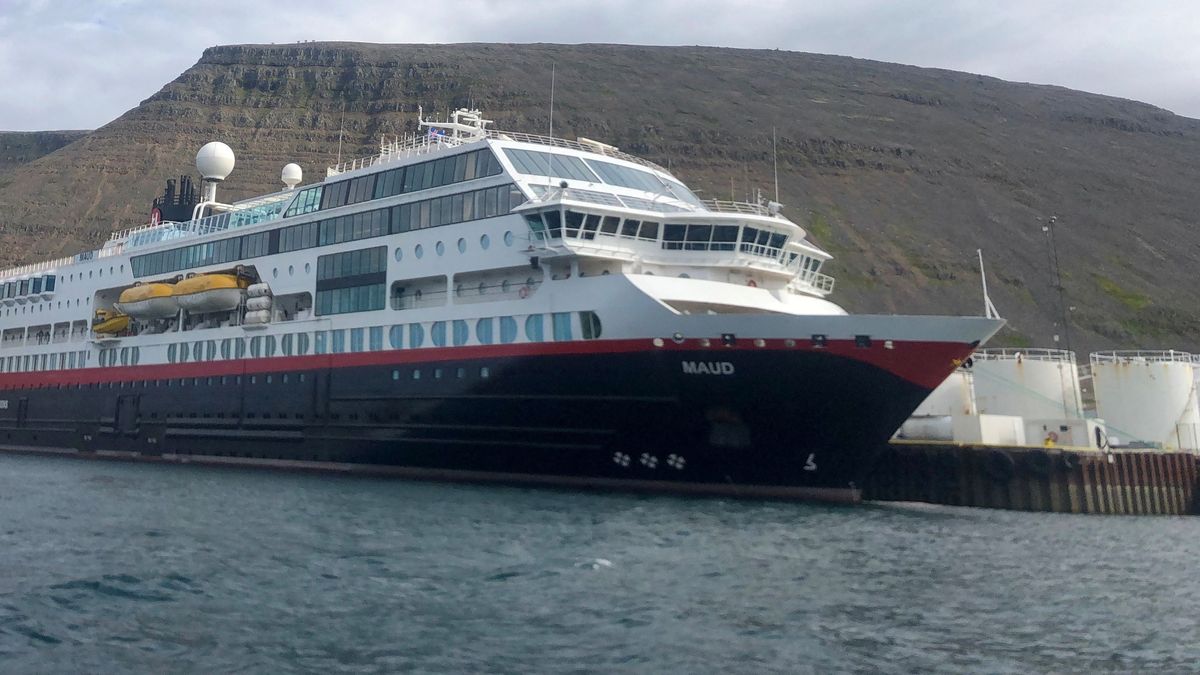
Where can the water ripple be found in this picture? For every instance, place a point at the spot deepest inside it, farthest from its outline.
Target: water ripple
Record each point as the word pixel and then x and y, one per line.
pixel 118 568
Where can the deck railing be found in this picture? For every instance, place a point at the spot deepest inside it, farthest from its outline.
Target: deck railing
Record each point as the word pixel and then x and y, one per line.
pixel 1012 354
pixel 722 206
pixel 1144 356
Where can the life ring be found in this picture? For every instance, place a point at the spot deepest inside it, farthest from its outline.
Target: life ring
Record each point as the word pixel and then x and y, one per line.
pixel 752 283
pixel 998 465
pixel 1051 438
pixel 524 292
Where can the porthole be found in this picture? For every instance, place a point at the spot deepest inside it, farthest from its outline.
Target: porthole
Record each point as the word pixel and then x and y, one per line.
pixel 419 251
pixel 462 245
pixel 440 248
pixel 508 238
pixel 485 372
pixel 275 273
pixel 398 254
pixel 395 374
pixel 484 242
pixel 291 270
pixel 307 268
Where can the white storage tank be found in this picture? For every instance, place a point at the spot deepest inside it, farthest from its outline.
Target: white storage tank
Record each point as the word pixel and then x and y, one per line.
pixel 952 397
pixel 1028 383
pixel 1148 397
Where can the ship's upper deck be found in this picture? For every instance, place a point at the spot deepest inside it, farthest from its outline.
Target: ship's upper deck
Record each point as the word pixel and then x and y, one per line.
pixel 599 176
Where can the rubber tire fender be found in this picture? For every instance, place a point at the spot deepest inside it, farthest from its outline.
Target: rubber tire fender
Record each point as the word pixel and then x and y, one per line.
pixel 999 466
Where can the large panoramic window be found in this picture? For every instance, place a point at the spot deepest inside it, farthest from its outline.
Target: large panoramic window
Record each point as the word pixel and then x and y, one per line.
pixel 352 281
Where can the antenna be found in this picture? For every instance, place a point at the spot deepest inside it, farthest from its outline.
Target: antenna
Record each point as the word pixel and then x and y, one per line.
pixel 775 157
pixel 550 155
pixel 341 128
pixel 989 310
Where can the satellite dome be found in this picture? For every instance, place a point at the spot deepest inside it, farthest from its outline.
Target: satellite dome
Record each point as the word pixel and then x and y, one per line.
pixel 215 161
pixel 292 175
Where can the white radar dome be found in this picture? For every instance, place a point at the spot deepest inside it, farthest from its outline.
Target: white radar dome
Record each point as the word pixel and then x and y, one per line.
pixel 292 175
pixel 215 161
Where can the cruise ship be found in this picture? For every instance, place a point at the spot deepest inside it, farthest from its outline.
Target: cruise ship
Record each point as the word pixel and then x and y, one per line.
pixel 468 304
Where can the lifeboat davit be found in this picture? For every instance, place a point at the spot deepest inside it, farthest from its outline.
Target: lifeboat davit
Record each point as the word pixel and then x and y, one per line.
pixel 109 322
pixel 210 292
pixel 149 301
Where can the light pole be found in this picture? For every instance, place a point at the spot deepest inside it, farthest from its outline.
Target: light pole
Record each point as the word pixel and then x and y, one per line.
pixel 1048 228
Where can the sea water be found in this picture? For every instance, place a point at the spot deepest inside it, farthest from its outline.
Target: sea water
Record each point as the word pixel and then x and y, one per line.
pixel 114 567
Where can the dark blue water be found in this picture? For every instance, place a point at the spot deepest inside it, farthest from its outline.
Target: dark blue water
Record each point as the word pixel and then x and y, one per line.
pixel 110 567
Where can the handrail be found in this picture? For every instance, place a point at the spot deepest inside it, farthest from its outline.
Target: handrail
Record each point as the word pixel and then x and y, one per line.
pixel 722 206
pixel 1144 356
pixel 597 148
pixel 1030 354
pixel 424 143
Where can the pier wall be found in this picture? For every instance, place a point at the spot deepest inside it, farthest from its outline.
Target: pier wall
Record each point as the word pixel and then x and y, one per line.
pixel 1061 480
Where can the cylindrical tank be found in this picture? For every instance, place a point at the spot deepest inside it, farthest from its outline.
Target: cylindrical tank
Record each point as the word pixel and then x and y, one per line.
pixel 1029 383
pixel 934 428
pixel 1148 397
pixel 952 397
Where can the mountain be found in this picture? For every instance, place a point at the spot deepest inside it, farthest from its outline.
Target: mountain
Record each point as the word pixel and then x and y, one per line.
pixel 902 172
pixel 22 147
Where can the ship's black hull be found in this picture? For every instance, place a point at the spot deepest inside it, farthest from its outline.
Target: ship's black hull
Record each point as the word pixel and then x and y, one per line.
pixel 773 422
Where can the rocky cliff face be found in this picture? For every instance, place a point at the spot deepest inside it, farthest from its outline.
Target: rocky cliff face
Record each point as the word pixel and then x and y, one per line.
pixel 21 147
pixel 901 172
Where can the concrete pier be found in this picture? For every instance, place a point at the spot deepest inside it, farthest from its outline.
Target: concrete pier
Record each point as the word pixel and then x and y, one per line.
pixel 1060 480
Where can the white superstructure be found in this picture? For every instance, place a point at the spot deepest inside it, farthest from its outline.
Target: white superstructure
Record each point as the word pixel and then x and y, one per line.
pixel 458 233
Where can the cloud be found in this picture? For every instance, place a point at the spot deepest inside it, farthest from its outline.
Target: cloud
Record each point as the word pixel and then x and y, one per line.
pixel 76 64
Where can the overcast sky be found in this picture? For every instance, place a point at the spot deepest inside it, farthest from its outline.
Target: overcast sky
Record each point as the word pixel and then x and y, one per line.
pixel 75 64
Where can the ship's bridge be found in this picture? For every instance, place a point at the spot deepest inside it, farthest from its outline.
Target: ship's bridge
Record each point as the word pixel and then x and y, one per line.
pixel 723 241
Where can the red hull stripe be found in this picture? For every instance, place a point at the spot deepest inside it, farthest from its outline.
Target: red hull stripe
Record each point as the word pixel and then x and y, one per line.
pixel 925 364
